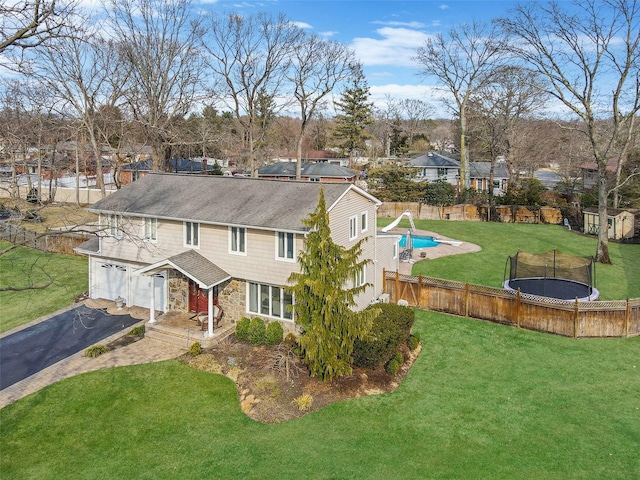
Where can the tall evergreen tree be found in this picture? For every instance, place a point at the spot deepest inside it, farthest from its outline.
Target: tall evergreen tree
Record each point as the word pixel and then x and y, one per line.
pixel 324 296
pixel 357 113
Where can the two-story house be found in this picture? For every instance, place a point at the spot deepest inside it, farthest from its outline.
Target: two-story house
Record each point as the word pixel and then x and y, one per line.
pixel 172 242
pixel 433 166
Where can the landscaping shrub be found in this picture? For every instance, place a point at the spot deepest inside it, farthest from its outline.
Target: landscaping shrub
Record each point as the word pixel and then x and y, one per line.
pixel 393 367
pixel 390 329
pixel 274 333
pixel 413 342
pixel 257 331
pixel 136 331
pixel 242 328
pixel 303 402
pixel 95 351
pixel 195 349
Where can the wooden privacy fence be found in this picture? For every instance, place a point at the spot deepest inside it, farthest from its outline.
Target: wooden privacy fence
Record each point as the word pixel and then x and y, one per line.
pixel 617 318
pixel 52 242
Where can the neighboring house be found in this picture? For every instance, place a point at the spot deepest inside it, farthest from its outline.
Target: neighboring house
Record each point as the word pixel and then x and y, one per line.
pixel 310 172
pixel 131 172
pixel 317 156
pixel 621 222
pixel 433 166
pixel 480 176
pixel 590 173
pixel 173 242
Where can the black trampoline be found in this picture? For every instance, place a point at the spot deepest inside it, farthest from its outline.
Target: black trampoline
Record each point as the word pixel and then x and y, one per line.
pixel 553 275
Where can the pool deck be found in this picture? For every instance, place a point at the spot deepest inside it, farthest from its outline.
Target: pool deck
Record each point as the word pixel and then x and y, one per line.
pixel 442 250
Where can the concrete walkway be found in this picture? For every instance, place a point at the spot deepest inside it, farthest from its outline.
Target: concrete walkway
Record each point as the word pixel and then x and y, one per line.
pixel 142 351
pixel 442 250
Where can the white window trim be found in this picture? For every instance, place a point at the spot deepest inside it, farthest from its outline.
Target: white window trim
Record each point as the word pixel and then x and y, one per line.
pixel 353 227
pixel 364 215
pixel 270 313
pixel 185 226
pixel 238 252
pixel 277 252
pixel 114 225
pixel 360 277
pixel 150 223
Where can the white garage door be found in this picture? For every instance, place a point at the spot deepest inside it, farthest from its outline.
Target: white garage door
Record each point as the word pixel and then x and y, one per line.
pixel 141 291
pixel 110 281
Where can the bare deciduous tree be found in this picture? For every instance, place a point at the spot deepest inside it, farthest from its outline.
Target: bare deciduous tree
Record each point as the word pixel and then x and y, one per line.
pixel 84 74
pixel 26 24
pixel 462 61
pixel 318 66
pixel 160 43
pixel 590 58
pixel 250 56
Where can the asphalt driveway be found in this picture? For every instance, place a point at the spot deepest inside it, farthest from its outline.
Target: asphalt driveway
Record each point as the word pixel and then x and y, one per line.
pixel 37 347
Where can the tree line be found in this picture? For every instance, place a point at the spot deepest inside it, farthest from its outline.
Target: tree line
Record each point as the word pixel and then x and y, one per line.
pixel 151 72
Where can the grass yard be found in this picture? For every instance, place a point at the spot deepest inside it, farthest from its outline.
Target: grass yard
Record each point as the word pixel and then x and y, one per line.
pixel 23 267
pixel 620 280
pixel 482 401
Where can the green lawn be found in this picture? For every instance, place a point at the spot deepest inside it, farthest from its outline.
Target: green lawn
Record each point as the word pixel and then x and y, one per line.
pixel 23 267
pixel 482 401
pixel 620 280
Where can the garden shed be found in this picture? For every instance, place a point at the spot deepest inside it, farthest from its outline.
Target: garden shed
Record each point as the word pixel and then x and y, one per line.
pixel 621 222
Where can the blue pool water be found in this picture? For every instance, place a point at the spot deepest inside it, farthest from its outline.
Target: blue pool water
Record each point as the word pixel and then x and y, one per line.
pixel 419 242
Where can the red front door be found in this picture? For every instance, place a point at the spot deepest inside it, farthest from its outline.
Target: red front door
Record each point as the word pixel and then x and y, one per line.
pixel 198 298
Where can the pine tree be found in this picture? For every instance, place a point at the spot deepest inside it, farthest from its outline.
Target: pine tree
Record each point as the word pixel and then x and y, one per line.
pixel 357 113
pixel 324 299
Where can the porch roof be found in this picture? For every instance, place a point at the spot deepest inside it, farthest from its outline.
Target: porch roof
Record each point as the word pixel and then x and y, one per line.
pixel 194 266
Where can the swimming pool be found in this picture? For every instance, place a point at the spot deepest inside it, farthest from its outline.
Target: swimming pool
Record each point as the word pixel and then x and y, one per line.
pixel 419 242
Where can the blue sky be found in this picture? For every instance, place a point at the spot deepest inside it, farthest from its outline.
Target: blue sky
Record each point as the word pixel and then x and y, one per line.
pixel 384 33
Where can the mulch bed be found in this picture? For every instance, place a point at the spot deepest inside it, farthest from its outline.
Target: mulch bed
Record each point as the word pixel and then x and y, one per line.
pixel 272 390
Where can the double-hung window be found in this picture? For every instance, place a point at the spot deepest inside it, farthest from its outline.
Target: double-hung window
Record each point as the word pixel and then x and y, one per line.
pixel 364 221
pixel 360 277
pixel 192 234
pixel 285 246
pixel 269 300
pixel 238 240
pixel 150 229
pixel 114 226
pixel 353 228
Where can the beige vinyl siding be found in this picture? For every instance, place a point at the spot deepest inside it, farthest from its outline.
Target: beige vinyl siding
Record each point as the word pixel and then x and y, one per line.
pixel 259 264
pixel 353 205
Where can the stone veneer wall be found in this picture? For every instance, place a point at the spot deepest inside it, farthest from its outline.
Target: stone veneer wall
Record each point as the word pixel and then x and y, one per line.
pixel 231 297
pixel 178 291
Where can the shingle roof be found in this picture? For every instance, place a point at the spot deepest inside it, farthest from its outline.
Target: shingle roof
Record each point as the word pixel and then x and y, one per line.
pixel 483 169
pixel 194 266
pixel 222 200
pixel 433 159
pixel 308 169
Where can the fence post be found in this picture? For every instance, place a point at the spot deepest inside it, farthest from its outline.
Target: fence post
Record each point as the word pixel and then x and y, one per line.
pixel 627 317
pixel 419 290
pixel 397 286
pixel 575 319
pixel 466 299
pixel 384 281
pixel 518 309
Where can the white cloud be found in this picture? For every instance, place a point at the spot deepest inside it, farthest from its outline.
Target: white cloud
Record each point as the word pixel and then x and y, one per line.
pixel 400 24
pixel 396 47
pixel 443 6
pixel 328 33
pixel 302 25
pixel 429 93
